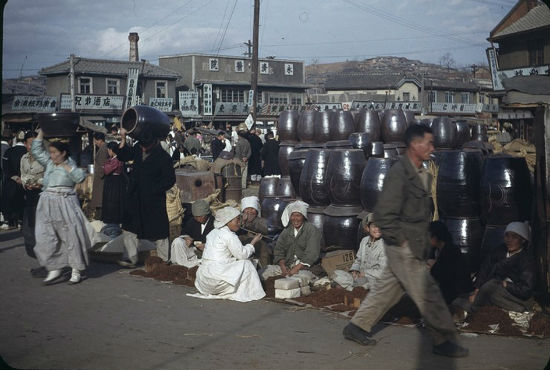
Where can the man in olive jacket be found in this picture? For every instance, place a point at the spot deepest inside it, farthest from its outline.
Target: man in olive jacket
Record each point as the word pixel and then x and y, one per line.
pixel 403 215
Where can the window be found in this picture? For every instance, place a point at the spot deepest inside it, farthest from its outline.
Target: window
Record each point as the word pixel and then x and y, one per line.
pixel 296 100
pixel 289 69
pixel 432 97
pixel 239 66
pixel 536 52
pixel 264 68
pixel 406 96
pixel 232 96
pixel 448 97
pixel 85 84
pixel 278 100
pixel 161 89
pixel 113 87
pixel 213 64
pixel 465 97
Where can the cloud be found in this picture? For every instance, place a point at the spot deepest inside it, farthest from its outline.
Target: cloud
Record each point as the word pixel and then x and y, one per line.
pixel 474 12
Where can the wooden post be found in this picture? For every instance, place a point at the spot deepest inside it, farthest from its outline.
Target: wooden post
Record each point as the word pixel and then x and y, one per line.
pixel 255 42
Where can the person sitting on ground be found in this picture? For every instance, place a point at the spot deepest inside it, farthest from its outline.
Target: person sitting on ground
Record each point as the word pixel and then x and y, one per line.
pixel 226 271
pixel 299 244
pixel 252 224
pixel 187 248
pixel 448 267
pixel 507 276
pixel 371 258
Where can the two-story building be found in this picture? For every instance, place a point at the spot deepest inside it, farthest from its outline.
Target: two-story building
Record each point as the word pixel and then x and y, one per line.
pixel 215 88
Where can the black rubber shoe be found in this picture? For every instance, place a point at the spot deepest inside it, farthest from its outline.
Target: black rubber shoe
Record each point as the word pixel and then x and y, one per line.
pixel 356 334
pixel 450 349
pixel 39 272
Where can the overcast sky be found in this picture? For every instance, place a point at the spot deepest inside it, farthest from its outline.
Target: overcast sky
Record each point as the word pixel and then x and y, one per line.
pixel 41 33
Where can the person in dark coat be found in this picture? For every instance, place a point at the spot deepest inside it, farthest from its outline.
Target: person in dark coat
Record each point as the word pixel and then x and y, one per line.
pixel 145 215
pixel 114 187
pixel 13 194
pixel 270 156
pixel 507 276
pixel 448 267
pixel 217 145
pixel 101 156
pixel 255 162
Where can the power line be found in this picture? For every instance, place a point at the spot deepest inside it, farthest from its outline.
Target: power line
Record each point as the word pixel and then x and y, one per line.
pixel 226 26
pixel 220 26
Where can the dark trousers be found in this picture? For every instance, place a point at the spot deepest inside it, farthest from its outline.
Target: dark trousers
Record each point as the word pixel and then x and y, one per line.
pixel 493 293
pixel 29 218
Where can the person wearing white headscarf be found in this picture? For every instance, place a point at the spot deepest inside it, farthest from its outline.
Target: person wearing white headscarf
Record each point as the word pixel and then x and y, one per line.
pixel 507 276
pixel 226 271
pixel 251 224
pixel 299 244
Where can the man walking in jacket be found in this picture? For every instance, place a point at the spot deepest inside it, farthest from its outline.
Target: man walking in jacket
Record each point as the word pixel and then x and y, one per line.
pixel 403 216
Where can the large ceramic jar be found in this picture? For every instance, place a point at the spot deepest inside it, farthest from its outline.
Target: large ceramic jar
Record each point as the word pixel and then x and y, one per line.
pixel 479 132
pixel 340 229
pixel 341 125
pixel 368 121
pixel 394 125
pixel 322 127
pixel 296 161
pixel 306 126
pixel 272 210
pixel 345 168
pixel 467 234
pixel 285 188
pixel 284 151
pixel 372 180
pixel 268 187
pixel 462 133
pixel 287 125
pixel 360 140
pixel 445 133
pixel 59 124
pixel 314 185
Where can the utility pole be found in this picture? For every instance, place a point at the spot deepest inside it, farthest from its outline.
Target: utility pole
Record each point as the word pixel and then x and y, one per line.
pixel 422 96
pixel 474 69
pixel 255 34
pixel 71 76
pixel 248 53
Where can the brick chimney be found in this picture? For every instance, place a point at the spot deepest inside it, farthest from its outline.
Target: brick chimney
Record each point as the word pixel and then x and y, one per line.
pixel 134 54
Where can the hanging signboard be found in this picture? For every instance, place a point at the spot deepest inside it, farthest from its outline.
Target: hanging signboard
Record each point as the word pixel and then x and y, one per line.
pixel 453 108
pixel 189 103
pixel 131 90
pixel 23 103
pixel 207 99
pixel 93 102
pixel 231 109
pixel 413 106
pixel 162 104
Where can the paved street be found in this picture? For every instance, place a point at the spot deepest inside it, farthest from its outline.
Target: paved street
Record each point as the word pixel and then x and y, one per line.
pixel 113 320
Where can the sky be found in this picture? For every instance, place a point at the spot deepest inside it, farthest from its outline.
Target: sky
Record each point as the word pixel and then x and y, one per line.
pixel 41 33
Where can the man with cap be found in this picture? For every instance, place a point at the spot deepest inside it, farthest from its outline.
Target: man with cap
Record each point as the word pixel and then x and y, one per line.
pixel 243 152
pixel 196 229
pixel 225 271
pixel 252 224
pixel 507 276
pixel 299 244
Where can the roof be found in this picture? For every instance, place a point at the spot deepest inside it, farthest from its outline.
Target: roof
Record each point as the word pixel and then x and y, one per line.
pixel 261 84
pixel 362 81
pixel 86 66
pixel 535 85
pixel 35 86
pixel 464 85
pixel 538 17
pixel 230 57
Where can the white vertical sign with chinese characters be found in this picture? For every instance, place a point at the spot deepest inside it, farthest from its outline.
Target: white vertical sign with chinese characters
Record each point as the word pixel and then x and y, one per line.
pixel 131 89
pixel 493 66
pixel 189 103
pixel 207 99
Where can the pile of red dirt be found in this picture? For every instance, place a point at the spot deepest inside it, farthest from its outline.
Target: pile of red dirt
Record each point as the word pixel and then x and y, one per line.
pixel 540 325
pixel 269 286
pixel 491 315
pixel 159 270
pixel 335 296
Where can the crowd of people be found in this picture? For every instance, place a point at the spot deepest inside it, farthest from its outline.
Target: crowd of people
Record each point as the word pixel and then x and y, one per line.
pixel 402 252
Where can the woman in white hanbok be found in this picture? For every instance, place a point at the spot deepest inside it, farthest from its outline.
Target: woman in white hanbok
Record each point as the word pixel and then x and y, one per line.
pixel 226 271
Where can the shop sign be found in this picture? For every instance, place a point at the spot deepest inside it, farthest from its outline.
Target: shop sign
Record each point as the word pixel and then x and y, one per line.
pixel 42 104
pixel 93 102
pixel 162 104
pixel 189 103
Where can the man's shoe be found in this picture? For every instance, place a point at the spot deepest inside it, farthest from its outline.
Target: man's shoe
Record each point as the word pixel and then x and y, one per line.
pixel 356 334
pixel 39 272
pixel 450 349
pixel 52 277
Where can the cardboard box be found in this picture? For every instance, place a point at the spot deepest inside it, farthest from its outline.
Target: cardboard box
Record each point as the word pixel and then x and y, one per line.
pixel 338 260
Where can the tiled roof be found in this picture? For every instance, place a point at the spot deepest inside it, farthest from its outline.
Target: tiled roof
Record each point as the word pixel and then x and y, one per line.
pixel 537 17
pixel 109 68
pixel 536 85
pixel 362 81
pixel 467 85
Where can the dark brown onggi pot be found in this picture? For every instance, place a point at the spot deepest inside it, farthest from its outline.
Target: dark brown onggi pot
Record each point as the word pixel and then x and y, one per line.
pixel 285 188
pixel 316 216
pixel 368 121
pixel 374 149
pixel 479 132
pixel 338 144
pixel 287 125
pixel 296 161
pixel 58 124
pixel 268 188
pixel 314 185
pixel 145 123
pixel 360 140
pixel 307 146
pixel 505 190
pixel 355 115
pixel 341 125
pixel 390 150
pixel 372 180
pixel 272 210
pixel 284 151
pixel 467 234
pixel 445 133
pixel 458 183
pixel 409 117
pixel 493 237
pixel 340 230
pixel 462 133
pixel 426 122
pixel 306 126
pixel 322 127
pixel 485 147
pixel 345 168
pixel 394 125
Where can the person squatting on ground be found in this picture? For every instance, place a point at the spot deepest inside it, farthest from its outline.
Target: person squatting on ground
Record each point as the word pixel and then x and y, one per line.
pixel 226 271
pixel 403 215
pixel 252 224
pixel 61 233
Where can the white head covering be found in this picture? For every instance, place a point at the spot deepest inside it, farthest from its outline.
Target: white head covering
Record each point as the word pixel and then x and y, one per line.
pixel 297 206
pixel 252 202
pixel 224 215
pixel 520 228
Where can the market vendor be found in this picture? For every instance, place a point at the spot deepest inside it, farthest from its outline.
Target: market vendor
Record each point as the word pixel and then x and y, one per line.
pixel 251 224
pixel 299 244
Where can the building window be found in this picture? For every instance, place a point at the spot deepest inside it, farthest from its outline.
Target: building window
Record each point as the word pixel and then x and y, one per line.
pixel 289 69
pixel 239 66
pixel 406 96
pixel 113 87
pixel 448 97
pixel 296 100
pixel 160 87
pixel 536 52
pixel 264 68
pixel 85 84
pixel 432 97
pixel 232 96
pixel 213 64
pixel 274 99
pixel 465 97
